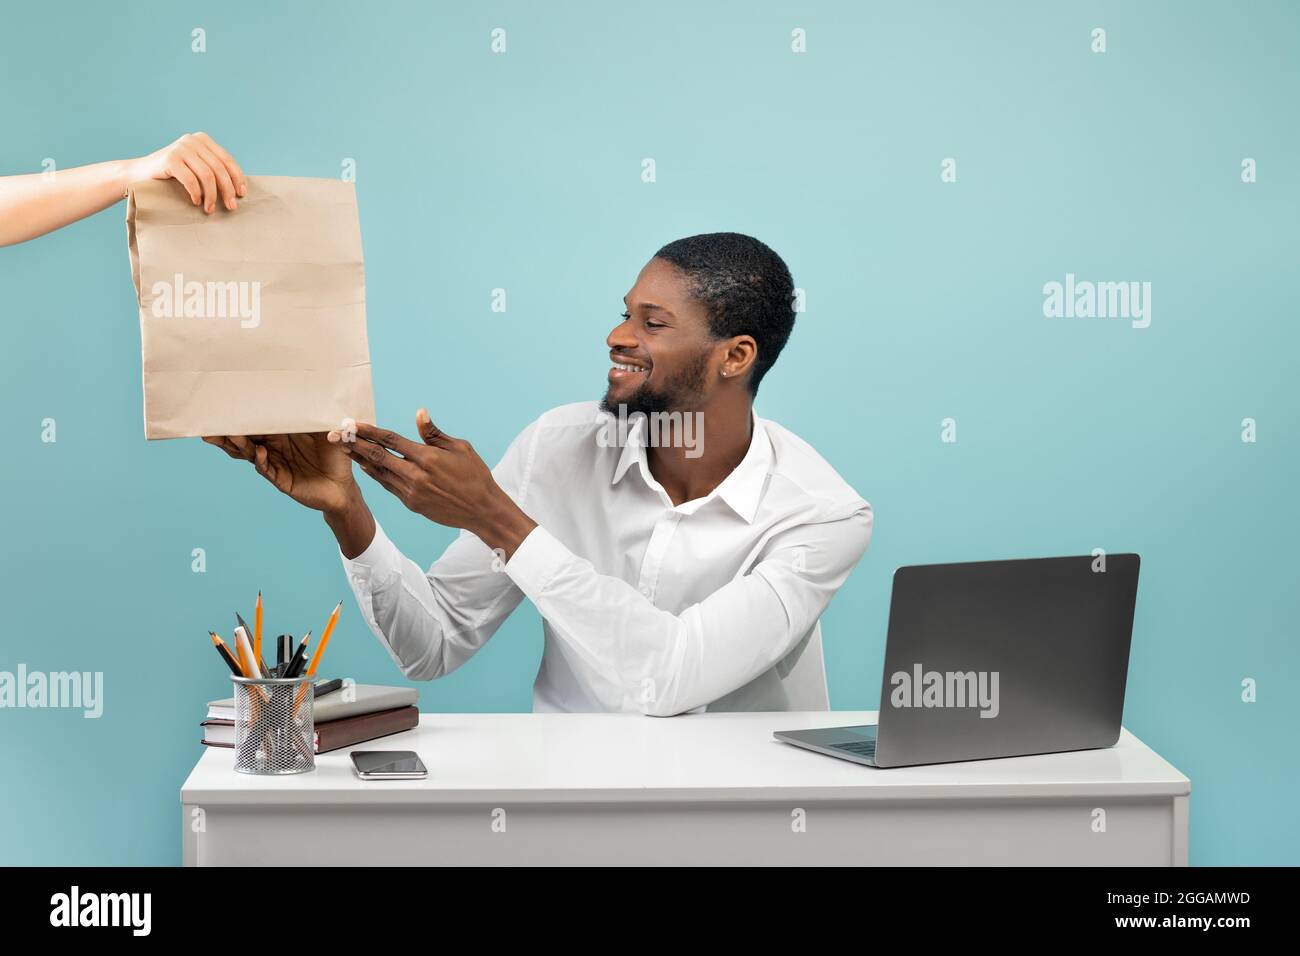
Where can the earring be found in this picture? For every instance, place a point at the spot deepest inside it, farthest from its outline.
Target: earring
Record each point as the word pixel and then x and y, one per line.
pixel 724 373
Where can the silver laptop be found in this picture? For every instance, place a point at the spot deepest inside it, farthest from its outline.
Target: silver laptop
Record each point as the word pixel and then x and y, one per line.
pixel 997 659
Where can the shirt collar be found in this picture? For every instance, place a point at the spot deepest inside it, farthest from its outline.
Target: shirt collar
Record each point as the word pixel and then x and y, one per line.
pixel 633 448
pixel 741 490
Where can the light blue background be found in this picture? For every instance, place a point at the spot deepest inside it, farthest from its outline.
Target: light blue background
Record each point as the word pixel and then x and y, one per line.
pixel 523 171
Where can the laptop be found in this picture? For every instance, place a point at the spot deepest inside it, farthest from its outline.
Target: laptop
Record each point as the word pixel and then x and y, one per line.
pixel 997 659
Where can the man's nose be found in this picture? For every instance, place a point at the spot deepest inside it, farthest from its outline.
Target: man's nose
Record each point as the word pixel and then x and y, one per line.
pixel 621 336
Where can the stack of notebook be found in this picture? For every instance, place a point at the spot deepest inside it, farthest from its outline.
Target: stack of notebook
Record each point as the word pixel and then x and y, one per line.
pixel 349 715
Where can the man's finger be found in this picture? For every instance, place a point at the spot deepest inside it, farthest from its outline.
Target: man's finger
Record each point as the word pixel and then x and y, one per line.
pixel 429 432
pixel 223 443
pixel 370 453
pixel 390 481
pixel 377 456
pixel 242 446
pixel 385 437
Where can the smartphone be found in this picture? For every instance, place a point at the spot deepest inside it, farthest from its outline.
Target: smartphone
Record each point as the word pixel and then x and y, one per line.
pixel 388 765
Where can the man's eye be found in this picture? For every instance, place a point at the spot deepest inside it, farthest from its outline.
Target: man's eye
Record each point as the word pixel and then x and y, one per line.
pixel 654 325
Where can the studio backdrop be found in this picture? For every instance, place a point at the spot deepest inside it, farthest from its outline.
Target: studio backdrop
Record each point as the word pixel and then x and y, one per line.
pixel 1047 261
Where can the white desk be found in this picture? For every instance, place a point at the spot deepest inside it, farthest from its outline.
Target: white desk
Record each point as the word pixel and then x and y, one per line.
pixel 697 789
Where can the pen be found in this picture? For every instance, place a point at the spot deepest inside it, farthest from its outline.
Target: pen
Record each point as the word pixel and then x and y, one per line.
pixel 284 650
pixel 299 657
pixel 224 651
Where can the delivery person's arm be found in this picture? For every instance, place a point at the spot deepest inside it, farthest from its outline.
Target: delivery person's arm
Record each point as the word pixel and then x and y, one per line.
pixel 37 203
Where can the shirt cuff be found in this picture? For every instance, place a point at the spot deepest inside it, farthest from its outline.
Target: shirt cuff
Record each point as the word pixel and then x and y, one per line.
pixel 380 561
pixel 536 562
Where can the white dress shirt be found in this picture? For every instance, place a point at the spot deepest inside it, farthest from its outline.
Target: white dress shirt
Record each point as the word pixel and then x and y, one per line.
pixel 711 604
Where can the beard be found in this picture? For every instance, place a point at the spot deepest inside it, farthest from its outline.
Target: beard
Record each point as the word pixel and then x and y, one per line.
pixel 683 391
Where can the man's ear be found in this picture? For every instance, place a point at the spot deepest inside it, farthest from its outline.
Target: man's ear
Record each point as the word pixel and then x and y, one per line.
pixel 740 357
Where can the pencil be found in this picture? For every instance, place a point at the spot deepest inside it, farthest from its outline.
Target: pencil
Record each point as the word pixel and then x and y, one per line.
pixel 224 651
pixel 257 627
pixel 324 640
pixel 296 668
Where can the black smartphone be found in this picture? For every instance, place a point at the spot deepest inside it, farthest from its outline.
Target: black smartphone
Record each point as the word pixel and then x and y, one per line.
pixel 388 765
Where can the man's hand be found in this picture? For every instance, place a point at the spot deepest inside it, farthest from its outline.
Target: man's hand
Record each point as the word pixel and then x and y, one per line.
pixel 443 479
pixel 208 173
pixel 308 468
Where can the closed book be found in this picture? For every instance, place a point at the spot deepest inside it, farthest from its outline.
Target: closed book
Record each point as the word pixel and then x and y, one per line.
pixel 331 735
pixel 351 700
pixel 363 727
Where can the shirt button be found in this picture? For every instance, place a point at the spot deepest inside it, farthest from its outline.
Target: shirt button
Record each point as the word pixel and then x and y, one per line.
pixel 645 590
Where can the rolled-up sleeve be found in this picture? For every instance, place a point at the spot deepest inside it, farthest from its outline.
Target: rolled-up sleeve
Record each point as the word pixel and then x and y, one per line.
pixel 671 663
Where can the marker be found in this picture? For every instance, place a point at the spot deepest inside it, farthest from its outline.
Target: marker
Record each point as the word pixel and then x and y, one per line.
pixel 239 653
pixel 328 687
pixel 248 632
pixel 246 650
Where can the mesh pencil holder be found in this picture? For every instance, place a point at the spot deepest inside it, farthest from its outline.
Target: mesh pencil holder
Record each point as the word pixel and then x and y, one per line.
pixel 274 734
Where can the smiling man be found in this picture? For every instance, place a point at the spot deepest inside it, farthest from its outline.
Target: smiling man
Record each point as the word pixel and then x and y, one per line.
pixel 671 576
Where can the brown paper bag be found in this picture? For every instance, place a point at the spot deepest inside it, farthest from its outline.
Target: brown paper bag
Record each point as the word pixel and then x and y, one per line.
pixel 252 322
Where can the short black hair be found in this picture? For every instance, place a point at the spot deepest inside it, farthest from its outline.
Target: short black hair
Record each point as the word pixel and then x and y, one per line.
pixel 745 286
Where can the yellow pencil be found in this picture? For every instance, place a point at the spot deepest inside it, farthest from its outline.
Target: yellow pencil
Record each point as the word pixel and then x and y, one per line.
pixel 324 639
pixel 257 628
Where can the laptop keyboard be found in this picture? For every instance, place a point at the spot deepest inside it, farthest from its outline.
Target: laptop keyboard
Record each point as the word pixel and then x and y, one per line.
pixel 863 748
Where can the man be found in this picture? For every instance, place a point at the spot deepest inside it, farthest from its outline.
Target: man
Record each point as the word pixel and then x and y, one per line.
pixel 672 576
